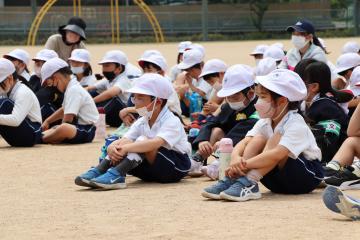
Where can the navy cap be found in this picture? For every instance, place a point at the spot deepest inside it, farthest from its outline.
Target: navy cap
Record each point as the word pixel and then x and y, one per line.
pixel 303 26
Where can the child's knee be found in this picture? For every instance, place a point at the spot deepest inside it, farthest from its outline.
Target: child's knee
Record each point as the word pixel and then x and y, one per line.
pixel 217 132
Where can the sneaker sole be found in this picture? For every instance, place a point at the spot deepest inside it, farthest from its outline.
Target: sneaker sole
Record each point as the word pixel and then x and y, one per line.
pixel 227 197
pixel 83 182
pixel 336 201
pixel 109 186
pixel 210 195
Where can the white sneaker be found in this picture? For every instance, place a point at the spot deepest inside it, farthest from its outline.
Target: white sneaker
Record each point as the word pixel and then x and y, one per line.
pixel 211 170
pixel 195 169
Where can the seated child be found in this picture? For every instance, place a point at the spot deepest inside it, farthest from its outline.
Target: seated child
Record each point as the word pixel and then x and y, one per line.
pixel 154 149
pixel 236 118
pixel 343 171
pixel 41 57
pixel 110 93
pixel 213 73
pixel 78 113
pixel 323 112
pixel 81 68
pixel 20 117
pixel 280 150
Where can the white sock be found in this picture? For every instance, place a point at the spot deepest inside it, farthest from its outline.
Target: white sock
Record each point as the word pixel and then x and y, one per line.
pixel 333 164
pixel 356 167
pixel 254 176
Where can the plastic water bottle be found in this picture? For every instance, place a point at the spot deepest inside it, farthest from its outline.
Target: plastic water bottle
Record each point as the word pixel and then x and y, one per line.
pixel 225 150
pixel 195 105
pixel 193 133
pixel 101 125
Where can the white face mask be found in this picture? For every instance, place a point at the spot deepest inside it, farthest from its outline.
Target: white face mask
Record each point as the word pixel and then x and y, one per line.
pixel 77 70
pixel 237 106
pixel 257 61
pixel 143 112
pixel 217 86
pixel 37 71
pixel 299 41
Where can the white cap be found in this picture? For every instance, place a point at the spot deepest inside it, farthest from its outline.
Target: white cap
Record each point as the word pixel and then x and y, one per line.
pixel 6 69
pixel 45 55
pixel 183 46
pixel 20 54
pixel 237 78
pixel 265 66
pixel 199 47
pixel 152 84
pixel 191 57
pixel 155 57
pixel 213 66
pixel 80 55
pixel 347 61
pixel 286 83
pixel 259 49
pixel 115 56
pixel 355 81
pixel 52 66
pixel 275 53
pixel 278 44
pixel 351 47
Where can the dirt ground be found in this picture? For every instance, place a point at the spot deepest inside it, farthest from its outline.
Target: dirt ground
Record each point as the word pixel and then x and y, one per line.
pixel 39 200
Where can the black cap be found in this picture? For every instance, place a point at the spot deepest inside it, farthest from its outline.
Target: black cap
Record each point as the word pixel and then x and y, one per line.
pixel 76 25
pixel 303 26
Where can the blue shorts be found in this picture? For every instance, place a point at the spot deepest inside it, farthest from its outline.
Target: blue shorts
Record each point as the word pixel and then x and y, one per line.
pixel 169 166
pixel 298 176
pixel 84 134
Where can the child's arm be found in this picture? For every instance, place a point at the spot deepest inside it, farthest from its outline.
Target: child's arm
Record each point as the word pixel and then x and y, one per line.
pixel 268 158
pixel 110 93
pixel 68 118
pixel 354 124
pixel 144 146
pixel 239 149
pixel 58 115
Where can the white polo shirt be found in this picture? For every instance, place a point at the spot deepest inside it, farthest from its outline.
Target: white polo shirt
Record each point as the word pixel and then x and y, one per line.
pixel 121 82
pixel 79 102
pixel 26 104
pixel 296 135
pixel 88 81
pixel 167 126
pixel 293 56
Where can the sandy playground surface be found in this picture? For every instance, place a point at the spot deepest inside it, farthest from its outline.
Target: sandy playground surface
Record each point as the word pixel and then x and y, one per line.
pixel 38 199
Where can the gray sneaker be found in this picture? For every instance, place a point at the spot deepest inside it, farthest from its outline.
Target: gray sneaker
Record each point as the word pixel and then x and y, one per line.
pixel 214 191
pixel 242 190
pixel 335 200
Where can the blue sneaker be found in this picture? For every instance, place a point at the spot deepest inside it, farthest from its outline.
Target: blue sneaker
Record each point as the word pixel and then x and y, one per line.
pixel 109 180
pixel 335 200
pixel 242 190
pixel 84 179
pixel 214 191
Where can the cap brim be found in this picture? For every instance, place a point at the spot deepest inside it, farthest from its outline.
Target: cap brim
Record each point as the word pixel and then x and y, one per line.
pixel 295 29
pixel 339 70
pixel 75 29
pixel 139 91
pixel 206 73
pixel 77 60
pixel 39 59
pixel 106 61
pixel 228 92
pixel 184 66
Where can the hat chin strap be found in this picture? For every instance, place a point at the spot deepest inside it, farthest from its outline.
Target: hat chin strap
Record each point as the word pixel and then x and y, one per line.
pixel 282 111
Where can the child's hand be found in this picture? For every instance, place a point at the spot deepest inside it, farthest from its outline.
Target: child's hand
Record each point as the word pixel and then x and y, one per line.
pixel 205 148
pixel 114 153
pixel 45 126
pixel 210 107
pixel 128 120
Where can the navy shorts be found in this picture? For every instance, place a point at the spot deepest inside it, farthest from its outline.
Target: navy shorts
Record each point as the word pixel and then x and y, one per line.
pixel 27 134
pixel 169 167
pixel 84 134
pixel 298 176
